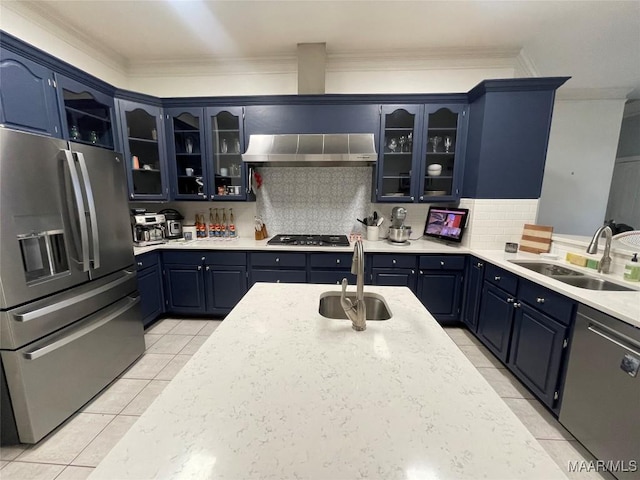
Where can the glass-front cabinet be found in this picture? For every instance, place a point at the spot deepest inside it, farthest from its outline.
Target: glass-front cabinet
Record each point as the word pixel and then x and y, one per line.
pixel 144 151
pixel 441 163
pixel 225 133
pixel 88 115
pixel 399 148
pixel 186 153
pixel 421 153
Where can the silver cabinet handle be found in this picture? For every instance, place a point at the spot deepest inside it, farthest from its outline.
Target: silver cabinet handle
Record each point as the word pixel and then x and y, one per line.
pixel 338 260
pixel 202 259
pixel 442 264
pixel 479 264
pixel 139 264
pixel 497 278
pixel 212 197
pixel 413 272
pixel 278 260
pixel 131 196
pixel 421 197
pixel 516 305
pixel 199 267
pixel 421 272
pixel 278 281
pixel 511 300
pixel 393 261
pixel 207 268
pixel 412 199
pixel 540 300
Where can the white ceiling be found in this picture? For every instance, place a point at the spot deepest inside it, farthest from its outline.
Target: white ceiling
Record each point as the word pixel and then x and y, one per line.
pixel 597 43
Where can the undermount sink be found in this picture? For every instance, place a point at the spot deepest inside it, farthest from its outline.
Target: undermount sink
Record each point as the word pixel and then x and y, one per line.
pixel 548 269
pixel 572 277
pixel 592 283
pixel 330 307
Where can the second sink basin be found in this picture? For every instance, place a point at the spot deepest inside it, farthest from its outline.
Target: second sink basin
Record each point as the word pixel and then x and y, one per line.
pixel 592 283
pixel 548 269
pixel 330 307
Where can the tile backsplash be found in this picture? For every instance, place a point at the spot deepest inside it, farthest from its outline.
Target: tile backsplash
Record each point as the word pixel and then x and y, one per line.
pixel 316 200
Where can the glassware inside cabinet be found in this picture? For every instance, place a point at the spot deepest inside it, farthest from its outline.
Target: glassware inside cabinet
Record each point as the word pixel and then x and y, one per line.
pixel 88 120
pixel 142 132
pixel 189 161
pixel 398 153
pixel 440 157
pixel 227 150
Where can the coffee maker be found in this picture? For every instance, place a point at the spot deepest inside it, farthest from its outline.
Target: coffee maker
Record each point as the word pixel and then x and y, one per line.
pixel 174 223
pixel 148 229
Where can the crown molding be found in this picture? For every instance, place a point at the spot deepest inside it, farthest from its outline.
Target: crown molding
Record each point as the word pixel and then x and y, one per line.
pixel 211 66
pixel 525 66
pixel 571 94
pixel 36 13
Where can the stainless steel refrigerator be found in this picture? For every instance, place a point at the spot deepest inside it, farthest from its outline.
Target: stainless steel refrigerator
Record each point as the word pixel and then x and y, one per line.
pixel 70 319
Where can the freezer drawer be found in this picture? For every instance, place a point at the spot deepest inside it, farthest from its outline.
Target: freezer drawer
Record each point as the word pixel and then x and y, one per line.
pixel 24 324
pixel 52 378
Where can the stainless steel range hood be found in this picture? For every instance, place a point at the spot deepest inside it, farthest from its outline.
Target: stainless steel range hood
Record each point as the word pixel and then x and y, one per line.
pixel 296 150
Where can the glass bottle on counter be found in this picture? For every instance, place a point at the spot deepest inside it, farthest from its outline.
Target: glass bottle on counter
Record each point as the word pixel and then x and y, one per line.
pixel 212 224
pixel 223 227
pixel 232 225
pixel 216 226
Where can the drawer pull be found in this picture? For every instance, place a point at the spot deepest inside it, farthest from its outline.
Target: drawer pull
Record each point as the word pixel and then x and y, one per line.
pixel 277 259
pixel 338 260
pixel 207 268
pixel 139 264
pixel 199 267
pixel 511 300
pixel 413 272
pixel 278 281
pixel 442 264
pixel 421 272
pixel 497 278
pixel 393 261
pixel 202 259
pixel 516 305
pixel 540 300
pixel 479 264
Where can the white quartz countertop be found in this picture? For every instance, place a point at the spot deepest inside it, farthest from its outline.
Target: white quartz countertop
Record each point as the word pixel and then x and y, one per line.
pixel 280 392
pixel 622 305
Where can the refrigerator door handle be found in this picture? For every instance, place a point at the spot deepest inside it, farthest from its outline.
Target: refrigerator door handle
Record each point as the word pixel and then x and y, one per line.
pixel 35 354
pixel 92 210
pixel 80 216
pixel 76 299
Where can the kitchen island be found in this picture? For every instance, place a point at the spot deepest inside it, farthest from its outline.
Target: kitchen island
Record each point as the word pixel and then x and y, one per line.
pixel 281 392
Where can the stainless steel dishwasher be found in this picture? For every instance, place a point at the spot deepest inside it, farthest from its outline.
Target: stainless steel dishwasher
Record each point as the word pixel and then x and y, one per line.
pixel 601 401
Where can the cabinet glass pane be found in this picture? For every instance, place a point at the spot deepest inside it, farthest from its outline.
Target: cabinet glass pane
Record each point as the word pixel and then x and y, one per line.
pixel 88 120
pixel 142 131
pixel 189 161
pixel 442 128
pixel 227 150
pixel 398 154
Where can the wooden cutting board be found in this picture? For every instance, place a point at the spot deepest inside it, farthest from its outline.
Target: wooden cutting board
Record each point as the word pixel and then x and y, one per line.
pixel 536 238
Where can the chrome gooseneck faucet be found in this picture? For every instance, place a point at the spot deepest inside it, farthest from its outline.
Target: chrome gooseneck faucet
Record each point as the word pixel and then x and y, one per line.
pixel 357 312
pixel 605 261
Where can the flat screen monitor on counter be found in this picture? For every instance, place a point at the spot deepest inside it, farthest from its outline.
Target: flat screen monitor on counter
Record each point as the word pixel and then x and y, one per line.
pixel 447 224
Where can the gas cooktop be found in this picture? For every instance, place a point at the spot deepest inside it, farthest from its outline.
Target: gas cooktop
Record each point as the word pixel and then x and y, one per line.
pixel 316 240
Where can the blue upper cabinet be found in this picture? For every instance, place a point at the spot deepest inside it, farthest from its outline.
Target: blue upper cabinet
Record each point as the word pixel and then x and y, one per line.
pixel 88 116
pixel 227 174
pixel 509 123
pixel 422 151
pixel 28 95
pixel 186 154
pixel 312 118
pixel 442 160
pixel 144 150
pixel 399 150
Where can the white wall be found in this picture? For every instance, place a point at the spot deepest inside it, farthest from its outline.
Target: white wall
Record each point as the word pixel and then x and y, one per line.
pixel 579 167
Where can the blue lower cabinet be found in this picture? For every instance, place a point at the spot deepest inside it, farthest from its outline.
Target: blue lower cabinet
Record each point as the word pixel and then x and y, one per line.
pixel 536 352
pixel 150 287
pixel 225 286
pixel 185 289
pixel 441 293
pixel 495 320
pixel 475 274
pixel 278 276
pixel 394 277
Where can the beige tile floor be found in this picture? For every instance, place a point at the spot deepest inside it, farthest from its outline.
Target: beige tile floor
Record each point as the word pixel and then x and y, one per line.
pixel 75 448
